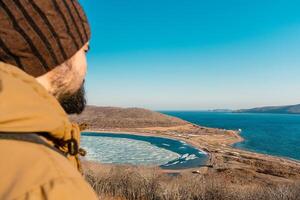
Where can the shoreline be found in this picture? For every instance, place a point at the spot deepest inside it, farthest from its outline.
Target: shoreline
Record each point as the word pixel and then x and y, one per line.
pixel 222 156
pixel 204 164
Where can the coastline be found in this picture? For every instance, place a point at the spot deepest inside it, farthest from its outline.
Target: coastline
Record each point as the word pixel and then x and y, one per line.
pixel 223 158
pixel 162 135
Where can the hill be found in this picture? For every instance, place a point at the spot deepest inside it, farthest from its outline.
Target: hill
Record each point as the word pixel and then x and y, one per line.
pixel 113 117
pixel 291 109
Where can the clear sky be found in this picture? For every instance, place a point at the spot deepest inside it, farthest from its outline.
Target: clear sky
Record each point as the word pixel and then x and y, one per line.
pixel 193 54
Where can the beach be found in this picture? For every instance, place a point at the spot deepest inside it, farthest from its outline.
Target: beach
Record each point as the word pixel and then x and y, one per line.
pixel 223 158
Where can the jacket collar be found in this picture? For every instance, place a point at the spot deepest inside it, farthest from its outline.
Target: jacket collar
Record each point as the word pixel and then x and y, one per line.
pixel 26 107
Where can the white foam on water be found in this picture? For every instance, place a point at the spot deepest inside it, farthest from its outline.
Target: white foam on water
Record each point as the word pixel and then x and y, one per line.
pixel 125 151
pixel 203 152
pixel 191 157
pixel 184 156
pixel 173 163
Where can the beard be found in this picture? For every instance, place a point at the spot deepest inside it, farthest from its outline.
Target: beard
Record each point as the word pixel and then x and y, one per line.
pixel 74 103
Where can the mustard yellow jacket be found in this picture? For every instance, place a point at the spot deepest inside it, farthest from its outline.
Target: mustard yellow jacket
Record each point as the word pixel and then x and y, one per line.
pixel 30 166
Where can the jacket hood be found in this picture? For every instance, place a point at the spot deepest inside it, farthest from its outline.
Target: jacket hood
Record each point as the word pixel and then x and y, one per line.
pixel 26 107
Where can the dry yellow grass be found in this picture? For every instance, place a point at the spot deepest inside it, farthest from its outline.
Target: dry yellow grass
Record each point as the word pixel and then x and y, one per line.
pixel 138 183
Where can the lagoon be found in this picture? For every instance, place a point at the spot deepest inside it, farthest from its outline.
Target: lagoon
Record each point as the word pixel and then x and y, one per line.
pixel 167 153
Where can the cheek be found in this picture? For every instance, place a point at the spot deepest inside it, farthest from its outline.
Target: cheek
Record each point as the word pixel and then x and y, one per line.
pixel 80 66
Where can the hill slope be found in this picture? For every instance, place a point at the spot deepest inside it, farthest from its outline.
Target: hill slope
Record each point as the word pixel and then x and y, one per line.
pixel 291 109
pixel 113 117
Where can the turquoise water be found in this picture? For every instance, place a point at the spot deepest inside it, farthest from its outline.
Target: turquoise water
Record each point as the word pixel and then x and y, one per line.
pixel 274 134
pixel 141 150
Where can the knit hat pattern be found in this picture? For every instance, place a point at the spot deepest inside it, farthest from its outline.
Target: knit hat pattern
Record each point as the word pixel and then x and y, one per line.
pixel 38 35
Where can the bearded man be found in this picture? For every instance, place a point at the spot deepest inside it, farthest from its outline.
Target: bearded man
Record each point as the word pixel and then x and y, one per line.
pixel 43 45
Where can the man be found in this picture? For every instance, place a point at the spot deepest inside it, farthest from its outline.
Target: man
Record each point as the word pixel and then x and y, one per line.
pixel 42 68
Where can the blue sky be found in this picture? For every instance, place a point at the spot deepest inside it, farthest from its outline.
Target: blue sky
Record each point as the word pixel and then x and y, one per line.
pixel 193 54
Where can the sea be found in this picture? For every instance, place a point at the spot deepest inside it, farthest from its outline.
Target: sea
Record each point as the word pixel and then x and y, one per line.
pixel 273 134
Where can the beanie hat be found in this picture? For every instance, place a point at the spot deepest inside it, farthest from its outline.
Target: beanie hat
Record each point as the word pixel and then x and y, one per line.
pixel 38 35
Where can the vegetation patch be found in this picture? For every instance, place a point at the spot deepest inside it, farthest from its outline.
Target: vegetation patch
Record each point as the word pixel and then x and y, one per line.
pixel 138 183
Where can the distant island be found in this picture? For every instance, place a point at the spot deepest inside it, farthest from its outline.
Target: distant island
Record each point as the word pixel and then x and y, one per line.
pixel 290 109
pixel 221 110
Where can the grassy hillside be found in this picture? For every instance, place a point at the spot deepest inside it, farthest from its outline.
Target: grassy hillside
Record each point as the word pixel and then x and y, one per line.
pixel 113 117
pixel 138 183
pixel 292 109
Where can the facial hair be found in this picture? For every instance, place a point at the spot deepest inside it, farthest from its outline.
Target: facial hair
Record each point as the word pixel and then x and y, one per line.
pixel 74 103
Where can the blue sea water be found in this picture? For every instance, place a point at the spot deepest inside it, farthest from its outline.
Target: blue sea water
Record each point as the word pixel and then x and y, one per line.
pixel 274 134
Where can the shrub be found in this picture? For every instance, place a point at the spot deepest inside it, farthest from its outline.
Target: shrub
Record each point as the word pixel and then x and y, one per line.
pixel 134 183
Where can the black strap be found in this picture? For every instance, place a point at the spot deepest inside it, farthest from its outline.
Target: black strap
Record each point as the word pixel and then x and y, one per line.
pixel 28 137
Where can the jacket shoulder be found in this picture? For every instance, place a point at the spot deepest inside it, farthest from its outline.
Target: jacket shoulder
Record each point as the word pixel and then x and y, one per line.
pixel 27 168
pixel 61 188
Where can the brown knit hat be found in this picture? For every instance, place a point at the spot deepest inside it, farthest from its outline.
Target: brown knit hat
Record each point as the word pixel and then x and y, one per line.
pixel 38 35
